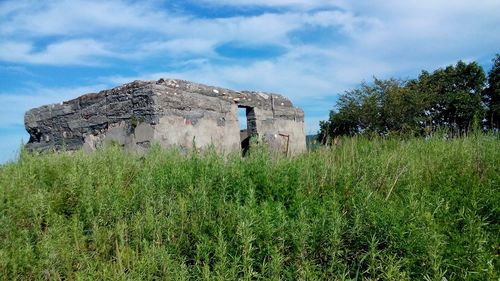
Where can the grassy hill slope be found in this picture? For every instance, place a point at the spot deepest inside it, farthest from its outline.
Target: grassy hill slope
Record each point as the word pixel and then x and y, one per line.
pixel 367 209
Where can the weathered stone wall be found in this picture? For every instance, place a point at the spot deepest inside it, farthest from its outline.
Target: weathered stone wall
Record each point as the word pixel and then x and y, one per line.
pixel 169 112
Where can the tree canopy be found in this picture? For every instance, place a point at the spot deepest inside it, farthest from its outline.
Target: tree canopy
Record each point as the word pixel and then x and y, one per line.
pixel 451 98
pixel 492 94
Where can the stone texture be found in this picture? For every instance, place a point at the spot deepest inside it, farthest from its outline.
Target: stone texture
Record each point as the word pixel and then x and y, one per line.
pixel 169 112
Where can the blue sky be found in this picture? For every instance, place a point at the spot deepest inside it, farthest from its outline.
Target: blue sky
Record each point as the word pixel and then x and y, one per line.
pixel 308 50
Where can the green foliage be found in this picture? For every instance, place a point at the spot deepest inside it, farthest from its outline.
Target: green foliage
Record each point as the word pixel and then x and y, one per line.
pixel 492 94
pixel 447 98
pixel 456 95
pixel 381 209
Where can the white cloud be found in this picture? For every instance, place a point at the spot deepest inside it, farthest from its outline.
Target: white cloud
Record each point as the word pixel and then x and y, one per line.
pixel 139 29
pixel 89 31
pixel 81 18
pixel 176 47
pixel 281 77
pixel 297 4
pixel 433 32
pixel 42 18
pixel 81 51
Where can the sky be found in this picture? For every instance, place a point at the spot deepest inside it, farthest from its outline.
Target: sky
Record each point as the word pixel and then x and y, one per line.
pixel 308 50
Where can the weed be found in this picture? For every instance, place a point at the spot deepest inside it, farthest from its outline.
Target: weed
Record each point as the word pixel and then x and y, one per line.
pixel 378 209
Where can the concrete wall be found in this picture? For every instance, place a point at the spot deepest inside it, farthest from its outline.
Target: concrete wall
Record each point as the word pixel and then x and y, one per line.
pixel 168 112
pixel 283 135
pixel 180 131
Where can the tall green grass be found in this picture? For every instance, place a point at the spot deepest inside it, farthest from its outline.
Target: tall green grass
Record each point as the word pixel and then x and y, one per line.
pixel 365 210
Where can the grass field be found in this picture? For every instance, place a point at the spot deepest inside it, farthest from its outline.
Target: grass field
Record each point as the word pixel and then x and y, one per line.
pixel 365 210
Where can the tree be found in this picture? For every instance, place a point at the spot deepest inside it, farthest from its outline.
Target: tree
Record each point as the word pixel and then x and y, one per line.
pixel 381 107
pixel 345 121
pixel 492 94
pixel 403 107
pixel 456 95
pixel 451 97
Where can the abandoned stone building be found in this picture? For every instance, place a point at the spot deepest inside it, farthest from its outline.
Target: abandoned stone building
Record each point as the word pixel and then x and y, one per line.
pixel 171 113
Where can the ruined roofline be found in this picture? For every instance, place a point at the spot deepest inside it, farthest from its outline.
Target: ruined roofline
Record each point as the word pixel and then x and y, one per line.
pixel 172 83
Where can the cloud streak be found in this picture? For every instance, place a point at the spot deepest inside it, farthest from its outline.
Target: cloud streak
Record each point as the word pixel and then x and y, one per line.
pixel 81 51
pixel 291 4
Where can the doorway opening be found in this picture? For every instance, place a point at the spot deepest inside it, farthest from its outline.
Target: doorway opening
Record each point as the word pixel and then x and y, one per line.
pixel 248 126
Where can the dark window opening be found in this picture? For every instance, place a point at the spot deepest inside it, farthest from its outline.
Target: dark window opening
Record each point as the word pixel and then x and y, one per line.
pixel 248 126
